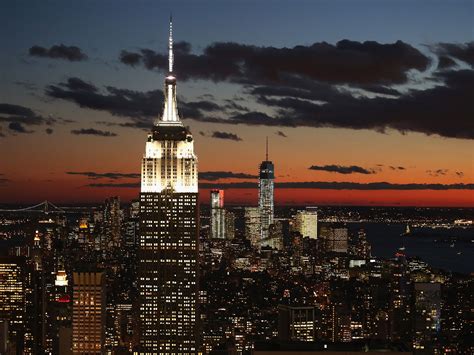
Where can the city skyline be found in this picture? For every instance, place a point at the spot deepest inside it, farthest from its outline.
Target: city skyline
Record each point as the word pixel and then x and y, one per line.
pixel 334 127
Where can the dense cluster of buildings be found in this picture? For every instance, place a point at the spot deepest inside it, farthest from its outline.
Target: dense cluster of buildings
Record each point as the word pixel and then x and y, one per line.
pixel 64 291
pixel 158 276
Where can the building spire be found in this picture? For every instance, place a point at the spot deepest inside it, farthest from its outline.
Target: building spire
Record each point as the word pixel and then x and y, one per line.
pixel 170 110
pixel 266 150
pixel 170 46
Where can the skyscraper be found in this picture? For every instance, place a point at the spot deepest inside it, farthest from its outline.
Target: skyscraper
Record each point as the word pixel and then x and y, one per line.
pixel 12 298
pixel 217 214
pixel 252 226
pixel 265 197
pixel 112 222
pixel 306 223
pixel 88 313
pixel 168 241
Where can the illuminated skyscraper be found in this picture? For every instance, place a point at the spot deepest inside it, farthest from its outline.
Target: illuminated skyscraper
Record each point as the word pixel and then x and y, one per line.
pixel 252 226
pixel 13 299
pixel 306 223
pixel 265 198
pixel 112 222
pixel 88 313
pixel 217 214
pixel 168 241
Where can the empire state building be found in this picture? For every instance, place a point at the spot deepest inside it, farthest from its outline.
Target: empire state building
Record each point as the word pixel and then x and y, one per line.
pixel 168 242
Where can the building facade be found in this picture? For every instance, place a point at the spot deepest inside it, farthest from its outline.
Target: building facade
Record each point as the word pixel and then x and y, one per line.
pixel 218 228
pixel 112 223
pixel 13 300
pixel 265 197
pixel 88 313
pixel 306 223
pixel 252 226
pixel 296 323
pixel 168 240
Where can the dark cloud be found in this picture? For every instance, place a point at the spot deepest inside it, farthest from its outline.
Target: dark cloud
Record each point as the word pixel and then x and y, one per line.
pixel 70 53
pixel 141 107
pixel 16 110
pixel 19 117
pixel 18 127
pixel 437 172
pixel 217 175
pixel 234 107
pixel 281 134
pixel 345 62
pixel 93 132
pixel 325 185
pixel 397 167
pixel 49 130
pixel 459 174
pixel 298 84
pixel 461 51
pixel 445 62
pixel 445 110
pixel 130 58
pixel 428 111
pixel 108 175
pixel 76 84
pixel 115 185
pixel 226 135
pixel 340 169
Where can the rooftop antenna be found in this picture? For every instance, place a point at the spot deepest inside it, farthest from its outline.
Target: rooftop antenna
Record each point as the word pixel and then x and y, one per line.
pixel 170 46
pixel 266 150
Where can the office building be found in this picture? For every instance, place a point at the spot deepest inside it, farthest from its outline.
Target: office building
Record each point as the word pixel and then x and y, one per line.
pixel 336 239
pixel 88 313
pixel 252 225
pixel 217 214
pixel 265 195
pixel 112 222
pixel 296 323
pixel 13 299
pixel 306 223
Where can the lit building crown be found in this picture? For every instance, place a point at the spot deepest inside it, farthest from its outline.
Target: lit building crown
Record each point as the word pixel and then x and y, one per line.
pixel 169 162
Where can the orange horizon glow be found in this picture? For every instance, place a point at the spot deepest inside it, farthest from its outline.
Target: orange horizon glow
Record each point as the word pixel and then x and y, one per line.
pixel 66 193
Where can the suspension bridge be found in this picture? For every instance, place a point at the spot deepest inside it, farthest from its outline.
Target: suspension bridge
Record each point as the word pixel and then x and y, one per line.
pixel 45 207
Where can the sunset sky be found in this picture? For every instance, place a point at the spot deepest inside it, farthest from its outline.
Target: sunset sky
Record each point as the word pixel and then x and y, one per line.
pixel 363 102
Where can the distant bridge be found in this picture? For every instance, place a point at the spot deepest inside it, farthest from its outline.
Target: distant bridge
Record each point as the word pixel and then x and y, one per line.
pixel 44 207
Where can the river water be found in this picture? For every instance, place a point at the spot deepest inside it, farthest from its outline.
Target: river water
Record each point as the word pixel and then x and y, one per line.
pixel 450 249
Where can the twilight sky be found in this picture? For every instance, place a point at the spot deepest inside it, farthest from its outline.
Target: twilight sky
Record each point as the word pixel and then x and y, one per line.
pixel 364 102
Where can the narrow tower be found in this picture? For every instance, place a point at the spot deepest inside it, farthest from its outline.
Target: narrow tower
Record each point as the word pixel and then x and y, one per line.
pixel 168 250
pixel 265 200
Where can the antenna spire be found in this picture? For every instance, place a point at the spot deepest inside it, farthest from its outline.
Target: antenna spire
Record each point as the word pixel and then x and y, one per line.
pixel 170 46
pixel 266 149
